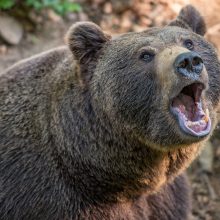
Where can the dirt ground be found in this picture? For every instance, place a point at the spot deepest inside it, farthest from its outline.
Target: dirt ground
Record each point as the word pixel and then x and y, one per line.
pixel 123 16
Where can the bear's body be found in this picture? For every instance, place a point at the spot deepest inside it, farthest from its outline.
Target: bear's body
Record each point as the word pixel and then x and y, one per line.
pixel 91 136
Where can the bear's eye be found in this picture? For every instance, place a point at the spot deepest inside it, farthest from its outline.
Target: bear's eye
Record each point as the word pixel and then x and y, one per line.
pixel 189 44
pixel 147 56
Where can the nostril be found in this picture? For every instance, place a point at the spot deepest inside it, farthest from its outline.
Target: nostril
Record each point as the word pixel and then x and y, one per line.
pixel 196 61
pixel 184 63
pixel 189 64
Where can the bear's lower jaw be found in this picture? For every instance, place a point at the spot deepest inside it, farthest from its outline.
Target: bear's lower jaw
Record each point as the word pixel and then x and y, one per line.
pixel 187 107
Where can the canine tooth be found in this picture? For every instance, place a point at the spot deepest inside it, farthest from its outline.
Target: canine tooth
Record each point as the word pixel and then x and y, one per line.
pixel 207 112
pixel 196 123
pixel 202 122
pixel 206 117
pixel 190 123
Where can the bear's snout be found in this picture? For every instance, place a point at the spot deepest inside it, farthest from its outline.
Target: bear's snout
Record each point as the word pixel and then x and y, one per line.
pixel 189 64
pixel 178 67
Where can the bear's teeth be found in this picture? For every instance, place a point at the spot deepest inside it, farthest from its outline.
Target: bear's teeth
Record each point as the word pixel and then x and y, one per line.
pixel 196 123
pixel 206 117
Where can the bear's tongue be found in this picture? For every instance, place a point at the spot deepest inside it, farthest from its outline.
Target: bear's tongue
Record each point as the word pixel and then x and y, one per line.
pixel 191 116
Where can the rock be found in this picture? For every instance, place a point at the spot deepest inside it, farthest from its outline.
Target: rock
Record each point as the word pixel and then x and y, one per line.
pixel 213 35
pixel 3 49
pixel 138 28
pixel 144 21
pixel 127 21
pixel 122 5
pixel 72 17
pixel 98 2
pixel 206 158
pixel 142 8
pixel 83 16
pixel 107 8
pixel 10 30
pixel 35 18
pixel 53 16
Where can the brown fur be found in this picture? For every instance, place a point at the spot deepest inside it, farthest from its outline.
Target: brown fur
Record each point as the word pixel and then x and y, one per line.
pixel 86 131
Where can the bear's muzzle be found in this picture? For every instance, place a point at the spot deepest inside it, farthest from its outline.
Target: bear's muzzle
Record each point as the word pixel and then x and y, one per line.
pixel 189 64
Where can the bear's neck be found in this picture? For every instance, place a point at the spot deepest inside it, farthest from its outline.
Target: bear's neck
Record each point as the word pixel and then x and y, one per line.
pixel 108 166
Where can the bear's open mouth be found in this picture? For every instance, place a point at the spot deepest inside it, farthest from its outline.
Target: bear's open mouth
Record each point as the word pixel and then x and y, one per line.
pixel 188 109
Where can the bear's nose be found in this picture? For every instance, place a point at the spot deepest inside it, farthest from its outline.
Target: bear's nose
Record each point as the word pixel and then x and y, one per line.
pixel 189 64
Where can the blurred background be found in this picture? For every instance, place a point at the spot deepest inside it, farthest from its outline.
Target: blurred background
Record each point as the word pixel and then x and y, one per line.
pixel 28 27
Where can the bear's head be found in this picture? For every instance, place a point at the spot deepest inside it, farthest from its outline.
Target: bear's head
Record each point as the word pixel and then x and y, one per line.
pixel 160 86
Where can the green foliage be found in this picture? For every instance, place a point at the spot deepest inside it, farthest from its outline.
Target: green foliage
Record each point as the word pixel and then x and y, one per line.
pixel 6 4
pixel 59 6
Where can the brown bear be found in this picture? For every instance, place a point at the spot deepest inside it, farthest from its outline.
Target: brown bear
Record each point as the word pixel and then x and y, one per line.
pixel 104 128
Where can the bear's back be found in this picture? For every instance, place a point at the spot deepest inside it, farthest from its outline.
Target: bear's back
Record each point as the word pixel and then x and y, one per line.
pixel 26 161
pixel 27 90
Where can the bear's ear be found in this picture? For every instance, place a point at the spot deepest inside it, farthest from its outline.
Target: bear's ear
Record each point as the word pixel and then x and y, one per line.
pixel 190 18
pixel 85 39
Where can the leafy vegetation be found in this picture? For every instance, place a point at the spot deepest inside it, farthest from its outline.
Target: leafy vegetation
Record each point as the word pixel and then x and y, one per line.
pixel 61 7
pixel 6 4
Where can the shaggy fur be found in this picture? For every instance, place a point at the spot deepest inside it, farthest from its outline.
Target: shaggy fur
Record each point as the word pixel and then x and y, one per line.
pixel 86 131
